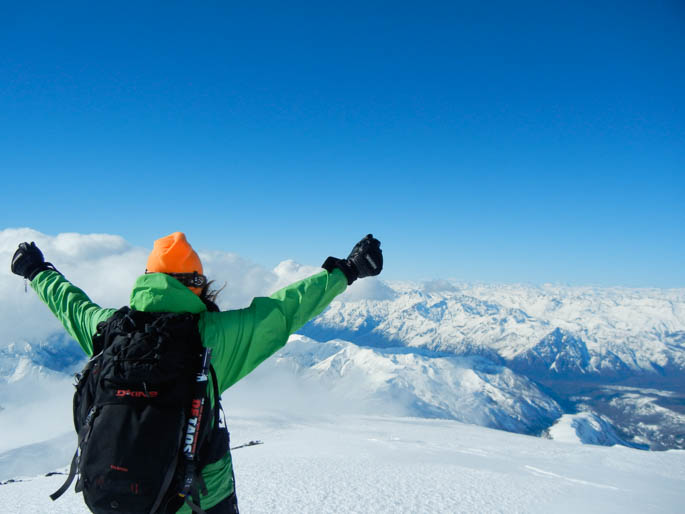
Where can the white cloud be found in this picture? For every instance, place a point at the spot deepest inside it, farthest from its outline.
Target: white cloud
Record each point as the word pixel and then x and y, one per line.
pixel 368 289
pixel 242 278
pixel 438 286
pixel 105 266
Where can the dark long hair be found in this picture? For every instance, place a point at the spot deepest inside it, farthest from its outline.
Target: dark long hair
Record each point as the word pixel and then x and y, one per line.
pixel 208 295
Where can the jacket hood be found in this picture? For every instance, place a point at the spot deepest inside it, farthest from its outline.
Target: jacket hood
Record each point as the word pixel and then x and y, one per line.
pixel 159 292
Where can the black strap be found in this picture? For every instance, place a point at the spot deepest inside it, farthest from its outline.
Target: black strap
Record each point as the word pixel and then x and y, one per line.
pixel 72 473
pixel 194 506
pixel 165 486
pixel 216 440
pixel 199 486
pixel 202 485
pixel 217 403
pixel 101 336
pixel 83 436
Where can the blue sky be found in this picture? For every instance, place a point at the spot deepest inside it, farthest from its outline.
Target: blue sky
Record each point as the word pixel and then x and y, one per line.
pixel 506 142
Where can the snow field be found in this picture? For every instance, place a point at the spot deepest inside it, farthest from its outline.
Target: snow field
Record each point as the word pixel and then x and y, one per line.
pixel 409 465
pixel 367 464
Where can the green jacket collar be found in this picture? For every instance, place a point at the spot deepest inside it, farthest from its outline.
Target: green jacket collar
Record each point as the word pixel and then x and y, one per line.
pixel 159 292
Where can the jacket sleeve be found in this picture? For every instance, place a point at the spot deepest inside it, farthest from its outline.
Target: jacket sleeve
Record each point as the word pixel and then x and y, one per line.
pixel 71 306
pixel 242 339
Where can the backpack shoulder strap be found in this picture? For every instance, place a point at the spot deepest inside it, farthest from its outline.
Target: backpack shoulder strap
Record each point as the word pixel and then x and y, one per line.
pixel 101 336
pixel 217 399
pixel 216 441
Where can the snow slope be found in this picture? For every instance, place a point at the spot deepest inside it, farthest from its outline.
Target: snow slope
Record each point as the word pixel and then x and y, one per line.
pixel 401 380
pixel 35 401
pixel 372 464
pixel 584 428
pixel 33 459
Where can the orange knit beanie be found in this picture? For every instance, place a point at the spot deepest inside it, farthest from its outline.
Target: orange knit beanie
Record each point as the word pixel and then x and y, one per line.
pixel 173 254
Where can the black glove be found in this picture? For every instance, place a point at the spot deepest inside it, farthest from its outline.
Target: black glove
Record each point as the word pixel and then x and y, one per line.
pixel 365 260
pixel 28 261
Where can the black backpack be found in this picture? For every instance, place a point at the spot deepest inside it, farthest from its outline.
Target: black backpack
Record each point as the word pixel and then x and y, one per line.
pixel 142 415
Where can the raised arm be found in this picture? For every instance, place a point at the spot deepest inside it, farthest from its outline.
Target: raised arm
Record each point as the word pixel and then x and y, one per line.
pixel 242 339
pixel 79 315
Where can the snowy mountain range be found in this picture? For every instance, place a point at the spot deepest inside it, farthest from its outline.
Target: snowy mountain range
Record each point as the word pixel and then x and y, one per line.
pixel 605 365
pixel 548 330
pixel 575 344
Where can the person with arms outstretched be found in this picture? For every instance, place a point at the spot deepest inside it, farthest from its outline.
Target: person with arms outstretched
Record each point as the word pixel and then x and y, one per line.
pixel 137 359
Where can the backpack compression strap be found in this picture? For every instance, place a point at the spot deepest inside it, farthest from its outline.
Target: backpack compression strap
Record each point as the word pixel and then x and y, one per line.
pixel 72 473
pixel 73 468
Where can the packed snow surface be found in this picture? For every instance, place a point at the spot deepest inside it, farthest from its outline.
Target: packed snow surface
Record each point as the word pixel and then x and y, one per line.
pixel 371 464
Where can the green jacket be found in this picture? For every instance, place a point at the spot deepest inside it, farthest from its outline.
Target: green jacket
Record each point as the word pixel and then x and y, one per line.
pixel 240 339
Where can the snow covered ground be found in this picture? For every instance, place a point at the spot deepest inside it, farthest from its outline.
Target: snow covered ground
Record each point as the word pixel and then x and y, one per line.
pixel 371 464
